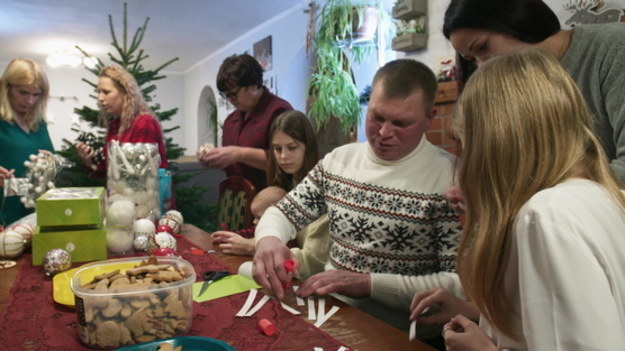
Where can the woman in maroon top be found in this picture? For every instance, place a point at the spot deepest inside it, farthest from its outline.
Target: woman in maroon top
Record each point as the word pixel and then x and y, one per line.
pixel 126 115
pixel 245 144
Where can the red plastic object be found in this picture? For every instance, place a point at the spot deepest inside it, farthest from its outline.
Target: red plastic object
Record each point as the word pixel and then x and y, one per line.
pixel 267 327
pixel 224 226
pixel 196 251
pixel 289 266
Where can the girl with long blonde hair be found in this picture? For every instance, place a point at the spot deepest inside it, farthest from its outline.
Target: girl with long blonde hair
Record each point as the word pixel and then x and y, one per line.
pixel 543 250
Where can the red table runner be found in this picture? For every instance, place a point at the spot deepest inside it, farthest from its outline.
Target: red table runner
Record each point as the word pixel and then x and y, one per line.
pixel 32 321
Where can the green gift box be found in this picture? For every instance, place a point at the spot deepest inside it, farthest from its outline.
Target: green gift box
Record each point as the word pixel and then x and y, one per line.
pixel 83 245
pixel 69 207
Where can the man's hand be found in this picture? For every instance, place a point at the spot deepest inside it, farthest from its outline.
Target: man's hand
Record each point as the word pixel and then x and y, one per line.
pixel 268 267
pixel 448 306
pixel 350 284
pixel 220 157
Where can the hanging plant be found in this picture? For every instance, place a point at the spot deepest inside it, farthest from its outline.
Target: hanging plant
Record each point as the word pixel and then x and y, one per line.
pixel 340 35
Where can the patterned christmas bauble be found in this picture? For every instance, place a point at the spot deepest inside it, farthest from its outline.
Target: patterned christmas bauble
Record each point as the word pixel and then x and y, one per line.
pixel 12 244
pixel 165 240
pixel 56 261
pixel 172 222
pixel 176 215
pixel 143 227
pixel 25 230
pixel 164 228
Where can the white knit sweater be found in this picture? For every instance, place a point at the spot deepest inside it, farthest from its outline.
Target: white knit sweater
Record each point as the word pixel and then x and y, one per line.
pixel 387 218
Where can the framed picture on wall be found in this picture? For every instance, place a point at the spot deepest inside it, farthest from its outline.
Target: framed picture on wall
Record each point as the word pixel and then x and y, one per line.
pixel 263 53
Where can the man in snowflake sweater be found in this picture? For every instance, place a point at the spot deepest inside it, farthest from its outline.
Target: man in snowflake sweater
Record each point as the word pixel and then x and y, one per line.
pixel 392 233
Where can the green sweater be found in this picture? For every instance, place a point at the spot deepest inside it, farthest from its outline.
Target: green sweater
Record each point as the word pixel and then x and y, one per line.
pixel 596 61
pixel 16 147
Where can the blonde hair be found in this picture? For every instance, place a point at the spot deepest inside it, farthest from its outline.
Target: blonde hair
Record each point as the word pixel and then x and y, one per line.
pixel 134 103
pixel 21 72
pixel 267 197
pixel 525 128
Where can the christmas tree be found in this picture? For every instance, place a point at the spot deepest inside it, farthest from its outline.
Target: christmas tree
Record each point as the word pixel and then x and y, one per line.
pixel 130 56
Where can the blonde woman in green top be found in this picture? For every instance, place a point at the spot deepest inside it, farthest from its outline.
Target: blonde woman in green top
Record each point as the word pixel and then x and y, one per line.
pixel 24 93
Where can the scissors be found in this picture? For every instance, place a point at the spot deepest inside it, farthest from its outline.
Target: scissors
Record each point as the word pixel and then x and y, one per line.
pixel 210 277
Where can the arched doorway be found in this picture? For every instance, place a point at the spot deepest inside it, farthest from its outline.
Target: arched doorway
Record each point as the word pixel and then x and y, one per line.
pixel 207 121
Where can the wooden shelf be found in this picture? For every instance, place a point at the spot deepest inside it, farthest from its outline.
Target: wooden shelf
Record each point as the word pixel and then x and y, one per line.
pixel 410 42
pixel 446 92
pixel 410 8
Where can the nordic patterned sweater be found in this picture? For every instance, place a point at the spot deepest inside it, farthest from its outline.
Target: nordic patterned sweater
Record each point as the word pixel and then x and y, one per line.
pixel 387 218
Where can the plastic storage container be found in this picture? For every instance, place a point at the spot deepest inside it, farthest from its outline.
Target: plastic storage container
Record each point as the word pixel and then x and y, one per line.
pixel 124 313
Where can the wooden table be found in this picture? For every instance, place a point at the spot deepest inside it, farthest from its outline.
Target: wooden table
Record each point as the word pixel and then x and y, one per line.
pixel 349 325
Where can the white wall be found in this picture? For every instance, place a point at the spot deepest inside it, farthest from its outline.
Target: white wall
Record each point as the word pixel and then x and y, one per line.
pixel 68 91
pixel 290 66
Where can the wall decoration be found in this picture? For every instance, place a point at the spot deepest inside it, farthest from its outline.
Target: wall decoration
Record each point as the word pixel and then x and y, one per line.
pixel 592 11
pixel 263 53
pixel 271 82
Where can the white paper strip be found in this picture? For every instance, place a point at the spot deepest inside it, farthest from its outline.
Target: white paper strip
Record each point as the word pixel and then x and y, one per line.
pixel 321 308
pixel 248 303
pixel 318 349
pixel 299 300
pixel 342 348
pixel 258 306
pixel 327 316
pixel 290 309
pixel 311 308
pixel 413 331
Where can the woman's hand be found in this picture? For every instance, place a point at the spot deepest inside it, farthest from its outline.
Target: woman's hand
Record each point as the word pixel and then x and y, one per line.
pixel 233 244
pixel 455 198
pixel 220 157
pixel 85 153
pixel 5 174
pixel 462 334
pixel 443 304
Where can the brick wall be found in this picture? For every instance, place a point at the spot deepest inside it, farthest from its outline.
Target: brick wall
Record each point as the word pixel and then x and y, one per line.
pixel 439 133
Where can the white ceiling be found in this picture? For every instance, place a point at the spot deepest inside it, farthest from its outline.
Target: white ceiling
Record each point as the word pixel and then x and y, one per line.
pixel 188 29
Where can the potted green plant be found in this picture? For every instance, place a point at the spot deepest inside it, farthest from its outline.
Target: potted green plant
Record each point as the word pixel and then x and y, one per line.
pixel 340 34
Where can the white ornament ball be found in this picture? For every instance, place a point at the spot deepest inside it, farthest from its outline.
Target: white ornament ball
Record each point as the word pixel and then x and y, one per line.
pixel 170 221
pixel 141 243
pixel 120 213
pixel 25 230
pixel 119 240
pixel 176 215
pixel 165 240
pixel 143 227
pixel 12 244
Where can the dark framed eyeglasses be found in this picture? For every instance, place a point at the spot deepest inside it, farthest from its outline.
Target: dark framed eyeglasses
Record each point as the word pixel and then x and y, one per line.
pixel 231 95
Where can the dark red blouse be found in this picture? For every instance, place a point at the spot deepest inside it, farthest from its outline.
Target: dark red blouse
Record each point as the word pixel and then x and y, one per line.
pixel 253 132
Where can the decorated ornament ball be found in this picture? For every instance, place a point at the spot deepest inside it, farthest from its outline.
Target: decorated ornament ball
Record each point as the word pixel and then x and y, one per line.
pixel 25 230
pixel 164 228
pixel 165 240
pixel 141 243
pixel 119 240
pixel 143 227
pixel 176 215
pixel 12 244
pixel 120 213
pixel 56 261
